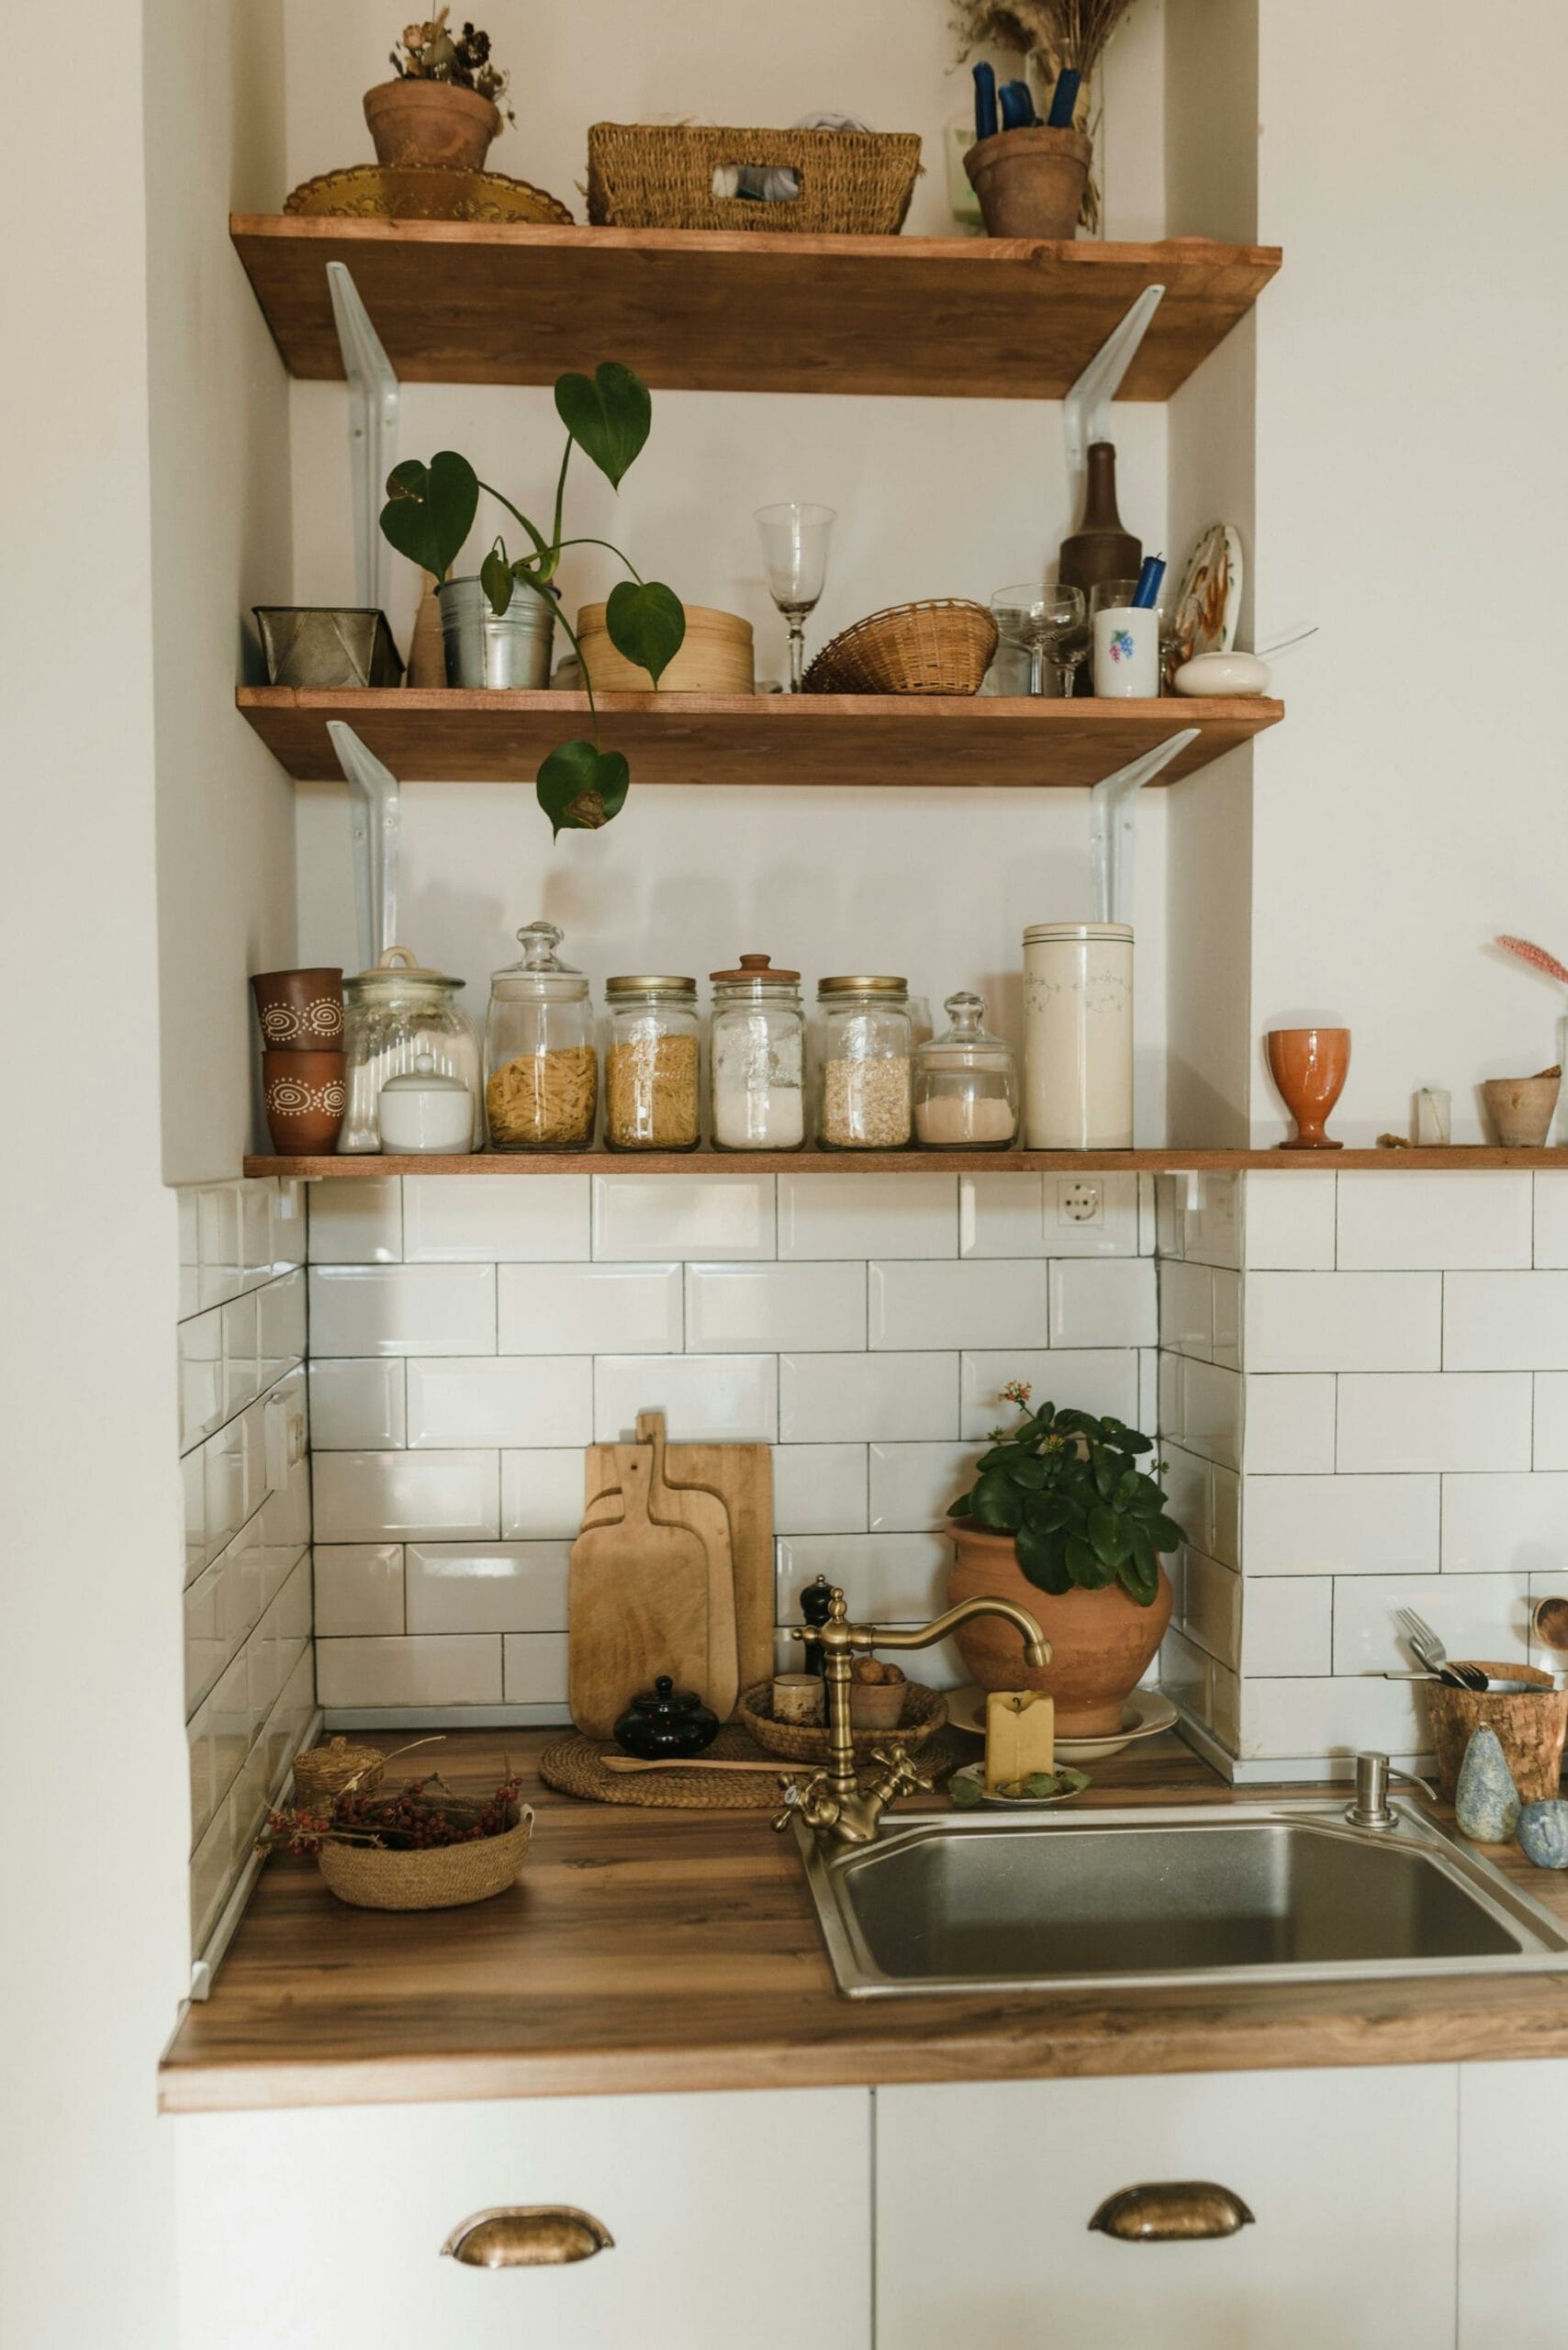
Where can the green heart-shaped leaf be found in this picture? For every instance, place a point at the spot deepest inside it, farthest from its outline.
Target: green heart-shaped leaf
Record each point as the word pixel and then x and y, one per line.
pixel 646 623
pixel 495 578
pixel 580 789
pixel 430 509
pixel 607 415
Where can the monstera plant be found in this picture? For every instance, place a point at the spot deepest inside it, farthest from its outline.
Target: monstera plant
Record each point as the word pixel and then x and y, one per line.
pixel 430 511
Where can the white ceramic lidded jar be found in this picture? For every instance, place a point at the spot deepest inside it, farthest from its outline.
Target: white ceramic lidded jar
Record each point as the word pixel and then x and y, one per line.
pixel 424 1110
pixel 756 1058
pixel 1077 1035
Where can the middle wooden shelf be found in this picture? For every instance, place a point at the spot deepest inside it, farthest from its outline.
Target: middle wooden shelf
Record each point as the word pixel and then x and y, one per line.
pixel 951 741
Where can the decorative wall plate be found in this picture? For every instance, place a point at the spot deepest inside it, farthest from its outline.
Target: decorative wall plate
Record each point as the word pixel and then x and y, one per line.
pixel 1210 601
pixel 384 192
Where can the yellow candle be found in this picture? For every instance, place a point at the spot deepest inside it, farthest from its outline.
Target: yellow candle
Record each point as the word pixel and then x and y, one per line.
pixel 1020 1735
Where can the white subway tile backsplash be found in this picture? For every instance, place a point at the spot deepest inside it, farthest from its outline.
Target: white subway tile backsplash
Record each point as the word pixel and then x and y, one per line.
pixel 1434 1420
pixel 911 1484
pixel 354 1223
pixel 1344 1321
pixel 1506 1321
pixel 1186 1308
pixel 1510 1524
pixel 1550 1418
pixel 1434 1221
pixel 1287 1626
pixel 256 1231
pixel 1211 1229
pixel 224 1455
pixel 193 1480
pixel 542 1493
pixel 868 1216
pixel 289 1213
pixel 402 1309
pixel 1289 1220
pixel 794 1308
pixel 1227 1317
pixel 1550 1219
pixel 357 1403
pixel 1225 1541
pixel 1212 1608
pixel 452 1669
pixel 535 1669
pixel 860 1398
pixel 1474 1616
pixel 589 1309
pixel 1201 1409
pixel 889 1578
pixel 241 1369
pixel 1290 1424
pixel 964 1304
pixel 1005 1215
pixel 1188 1495
pixel 1288 1719
pixel 212 1865
pixel 642 1218
pixel 487 1586
pixel 819 1489
pixel 405 1497
pixel 1086 1379
pixel 704 1398
pixel 488 1219
pixel 512 1400
pixel 359 1588
pixel 188 1211
pixel 217 1219
pixel 1354 1526
pixel 201 1377
pixel 1104 1302
pixel 280 1325
pixel 1186 1675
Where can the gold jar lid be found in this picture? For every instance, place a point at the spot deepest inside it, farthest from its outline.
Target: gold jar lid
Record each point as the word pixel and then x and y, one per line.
pixel 863 983
pixel 650 983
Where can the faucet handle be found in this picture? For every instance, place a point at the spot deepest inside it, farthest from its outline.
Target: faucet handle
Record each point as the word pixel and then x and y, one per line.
pixel 903 1779
pixel 806 1800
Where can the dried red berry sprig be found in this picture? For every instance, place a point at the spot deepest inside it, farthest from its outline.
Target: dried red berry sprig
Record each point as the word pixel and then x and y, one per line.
pixel 425 1816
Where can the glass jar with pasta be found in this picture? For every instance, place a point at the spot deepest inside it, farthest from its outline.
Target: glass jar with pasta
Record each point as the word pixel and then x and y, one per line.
pixel 541 1065
pixel 651 1064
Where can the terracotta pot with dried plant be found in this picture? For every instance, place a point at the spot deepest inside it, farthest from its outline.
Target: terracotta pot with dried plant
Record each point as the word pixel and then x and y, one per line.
pixel 446 102
pixel 1038 182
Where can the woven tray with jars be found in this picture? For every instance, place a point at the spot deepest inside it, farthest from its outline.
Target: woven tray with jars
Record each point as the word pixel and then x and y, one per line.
pixel 924 1713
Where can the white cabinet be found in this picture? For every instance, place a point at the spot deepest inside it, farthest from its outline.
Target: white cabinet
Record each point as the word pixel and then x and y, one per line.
pixel 1513 2206
pixel 985 2196
pixel 735 2218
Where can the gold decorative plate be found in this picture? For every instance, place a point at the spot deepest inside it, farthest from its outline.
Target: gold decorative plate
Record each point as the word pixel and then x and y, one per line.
pixel 384 192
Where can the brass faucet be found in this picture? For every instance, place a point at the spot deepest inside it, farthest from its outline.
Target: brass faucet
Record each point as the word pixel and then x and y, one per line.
pixel 832 1803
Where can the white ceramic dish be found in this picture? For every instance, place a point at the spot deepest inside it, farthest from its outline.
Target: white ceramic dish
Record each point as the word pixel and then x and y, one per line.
pixel 1224 673
pixel 1146 1713
pixel 974 1774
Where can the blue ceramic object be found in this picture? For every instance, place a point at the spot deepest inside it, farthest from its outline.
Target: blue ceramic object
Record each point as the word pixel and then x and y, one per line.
pixel 1487 1801
pixel 1544 1834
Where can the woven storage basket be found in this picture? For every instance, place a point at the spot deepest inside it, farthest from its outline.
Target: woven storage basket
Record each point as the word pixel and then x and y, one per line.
pixel 322 1773
pixel 371 1878
pixel 925 1711
pixel 716 656
pixel 660 175
pixel 943 646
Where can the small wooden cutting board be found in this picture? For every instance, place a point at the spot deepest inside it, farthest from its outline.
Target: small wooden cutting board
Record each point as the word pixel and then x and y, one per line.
pixel 637 1603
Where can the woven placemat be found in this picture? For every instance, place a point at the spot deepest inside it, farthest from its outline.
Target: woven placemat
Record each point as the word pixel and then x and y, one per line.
pixel 573 1768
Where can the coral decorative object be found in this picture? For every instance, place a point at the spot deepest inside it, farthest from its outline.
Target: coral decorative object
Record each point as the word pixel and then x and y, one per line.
pixel 1309 1066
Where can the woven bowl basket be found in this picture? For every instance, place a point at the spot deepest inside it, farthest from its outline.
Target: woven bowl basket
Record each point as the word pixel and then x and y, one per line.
pixel 660 175
pixel 925 1711
pixel 369 1878
pixel 943 646
pixel 323 1772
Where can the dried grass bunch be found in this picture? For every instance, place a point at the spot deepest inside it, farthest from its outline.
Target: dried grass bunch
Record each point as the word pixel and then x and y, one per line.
pixel 1060 33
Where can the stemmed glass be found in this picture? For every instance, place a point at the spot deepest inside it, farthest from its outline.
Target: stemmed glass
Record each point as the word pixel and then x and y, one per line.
pixel 794 555
pixel 1046 622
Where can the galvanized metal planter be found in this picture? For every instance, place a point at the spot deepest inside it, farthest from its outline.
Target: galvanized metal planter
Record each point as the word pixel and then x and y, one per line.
pixel 483 649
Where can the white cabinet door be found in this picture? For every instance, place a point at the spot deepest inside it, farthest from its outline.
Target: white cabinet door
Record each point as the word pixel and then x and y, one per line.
pixel 1513 2206
pixel 985 2196
pixel 322 2230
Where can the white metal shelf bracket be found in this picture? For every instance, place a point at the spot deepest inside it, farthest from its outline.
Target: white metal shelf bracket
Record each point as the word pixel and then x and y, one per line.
pixel 373 430
pixel 1113 829
pixel 1086 411
pixel 373 822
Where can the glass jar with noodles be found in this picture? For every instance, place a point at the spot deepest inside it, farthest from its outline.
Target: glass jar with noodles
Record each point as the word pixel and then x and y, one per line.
pixel 541 1063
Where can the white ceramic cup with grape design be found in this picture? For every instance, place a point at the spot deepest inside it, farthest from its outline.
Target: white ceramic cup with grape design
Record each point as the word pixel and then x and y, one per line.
pixel 1127 653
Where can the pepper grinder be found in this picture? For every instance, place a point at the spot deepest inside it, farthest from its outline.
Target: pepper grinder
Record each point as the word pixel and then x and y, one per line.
pixel 816 1607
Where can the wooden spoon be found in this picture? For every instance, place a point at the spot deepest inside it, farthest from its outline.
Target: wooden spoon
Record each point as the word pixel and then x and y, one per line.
pixel 685 1763
pixel 1549 1624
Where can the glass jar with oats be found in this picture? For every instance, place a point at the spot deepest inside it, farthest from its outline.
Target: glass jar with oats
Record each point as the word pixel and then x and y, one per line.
pixel 541 1065
pixel 864 1054
pixel 651 1064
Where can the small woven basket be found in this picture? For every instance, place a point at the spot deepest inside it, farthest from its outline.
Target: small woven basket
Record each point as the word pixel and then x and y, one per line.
pixel 321 1774
pixel 942 646
pixel 925 1711
pixel 660 175
pixel 367 1876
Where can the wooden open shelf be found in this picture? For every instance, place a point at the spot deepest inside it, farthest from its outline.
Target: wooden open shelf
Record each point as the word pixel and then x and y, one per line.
pixel 368 1166
pixel 726 311
pixel 453 736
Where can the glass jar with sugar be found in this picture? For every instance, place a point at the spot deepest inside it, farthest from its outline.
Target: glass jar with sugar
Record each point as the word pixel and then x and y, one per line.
pixel 756 1058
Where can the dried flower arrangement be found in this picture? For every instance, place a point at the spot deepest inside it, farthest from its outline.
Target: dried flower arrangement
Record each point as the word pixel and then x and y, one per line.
pixel 433 52
pixel 1537 956
pixel 1062 34
pixel 422 1815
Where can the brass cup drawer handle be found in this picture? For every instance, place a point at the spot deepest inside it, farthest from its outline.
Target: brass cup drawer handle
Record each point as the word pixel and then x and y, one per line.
pixel 1178 2210
pixel 527 2236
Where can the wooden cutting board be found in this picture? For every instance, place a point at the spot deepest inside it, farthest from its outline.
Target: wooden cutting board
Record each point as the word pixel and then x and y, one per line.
pixel 742 1477
pixel 637 1602
pixel 704 1512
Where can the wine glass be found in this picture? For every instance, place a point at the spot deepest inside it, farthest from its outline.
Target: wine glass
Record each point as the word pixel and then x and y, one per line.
pixel 1064 626
pixel 794 556
pixel 1043 621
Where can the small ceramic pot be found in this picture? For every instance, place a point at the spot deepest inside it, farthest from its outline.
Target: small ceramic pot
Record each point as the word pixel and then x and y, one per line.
pixel 1521 1108
pixel 1101 1641
pixel 430 126
pixel 1030 182
pixel 1309 1066
pixel 877 1704
pixel 798 1697
pixel 664 1722
pixel 300 1012
pixel 424 1111
pixel 304 1096
pixel 1224 673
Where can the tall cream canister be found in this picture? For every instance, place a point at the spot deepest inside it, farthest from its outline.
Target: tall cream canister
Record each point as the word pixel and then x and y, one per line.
pixel 1077 1035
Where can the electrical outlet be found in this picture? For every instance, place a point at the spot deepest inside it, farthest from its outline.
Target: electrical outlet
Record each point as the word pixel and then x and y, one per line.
pixel 1080 1202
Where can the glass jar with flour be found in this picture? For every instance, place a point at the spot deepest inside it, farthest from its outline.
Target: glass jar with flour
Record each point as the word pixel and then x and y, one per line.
pixel 756 1058
pixel 1077 1037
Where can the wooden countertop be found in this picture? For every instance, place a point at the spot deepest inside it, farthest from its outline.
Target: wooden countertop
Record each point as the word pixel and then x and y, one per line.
pixel 663 1951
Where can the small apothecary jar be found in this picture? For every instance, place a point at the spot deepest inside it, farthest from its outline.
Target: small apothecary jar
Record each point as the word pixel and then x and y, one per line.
pixel 864 1044
pixel 541 1062
pixel 394 1014
pixel 756 1058
pixel 651 1064
pixel 966 1084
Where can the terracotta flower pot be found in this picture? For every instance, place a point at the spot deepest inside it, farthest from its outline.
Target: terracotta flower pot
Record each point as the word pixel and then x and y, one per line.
pixel 304 1096
pixel 1521 1108
pixel 1309 1066
pixel 300 1012
pixel 1030 182
pixel 430 126
pixel 1101 1641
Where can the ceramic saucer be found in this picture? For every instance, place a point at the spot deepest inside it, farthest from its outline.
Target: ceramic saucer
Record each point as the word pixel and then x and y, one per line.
pixel 973 1773
pixel 1146 1712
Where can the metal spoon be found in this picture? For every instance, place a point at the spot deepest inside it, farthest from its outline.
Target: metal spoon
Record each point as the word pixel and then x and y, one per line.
pixel 1430 1651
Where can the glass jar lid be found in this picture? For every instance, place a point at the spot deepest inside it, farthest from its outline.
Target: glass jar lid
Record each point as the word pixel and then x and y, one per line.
pixel 1038 930
pixel 863 983
pixel 967 1045
pixel 756 976
pixel 398 968
pixel 650 983
pixel 424 1078
pixel 540 977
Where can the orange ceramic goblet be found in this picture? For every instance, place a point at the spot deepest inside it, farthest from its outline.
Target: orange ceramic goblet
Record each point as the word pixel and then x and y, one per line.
pixel 1309 1066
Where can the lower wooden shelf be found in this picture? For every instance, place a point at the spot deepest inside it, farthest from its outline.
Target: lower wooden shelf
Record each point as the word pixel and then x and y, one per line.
pixel 364 1167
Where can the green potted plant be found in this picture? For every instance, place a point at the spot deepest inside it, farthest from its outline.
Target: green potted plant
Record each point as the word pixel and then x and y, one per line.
pixel 444 105
pixel 497 624
pixel 1061 1519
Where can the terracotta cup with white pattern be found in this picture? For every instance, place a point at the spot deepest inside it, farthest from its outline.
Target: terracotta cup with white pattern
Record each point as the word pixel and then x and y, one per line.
pixel 304 1096
pixel 300 1012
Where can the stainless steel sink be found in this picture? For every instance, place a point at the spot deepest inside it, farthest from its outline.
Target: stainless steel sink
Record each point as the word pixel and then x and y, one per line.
pixel 1239 1893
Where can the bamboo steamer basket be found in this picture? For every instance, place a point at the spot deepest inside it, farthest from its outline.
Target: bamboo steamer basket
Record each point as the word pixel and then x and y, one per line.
pixel 716 656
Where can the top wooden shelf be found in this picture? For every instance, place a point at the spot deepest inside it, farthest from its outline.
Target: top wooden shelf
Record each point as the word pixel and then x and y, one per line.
pixel 1171 1159
pixel 720 311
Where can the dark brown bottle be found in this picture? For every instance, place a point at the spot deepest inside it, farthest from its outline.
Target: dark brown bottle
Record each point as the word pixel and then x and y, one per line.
pixel 1100 548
